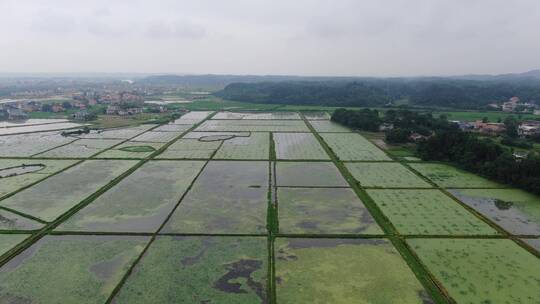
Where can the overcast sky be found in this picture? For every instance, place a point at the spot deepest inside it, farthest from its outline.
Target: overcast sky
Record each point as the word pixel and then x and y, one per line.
pixel 301 37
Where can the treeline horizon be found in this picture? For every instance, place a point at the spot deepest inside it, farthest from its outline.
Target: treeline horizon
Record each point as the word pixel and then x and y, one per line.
pixel 446 142
pixel 453 93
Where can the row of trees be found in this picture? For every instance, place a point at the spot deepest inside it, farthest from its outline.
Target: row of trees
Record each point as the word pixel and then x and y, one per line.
pixel 366 119
pixel 403 122
pixel 471 94
pixel 484 157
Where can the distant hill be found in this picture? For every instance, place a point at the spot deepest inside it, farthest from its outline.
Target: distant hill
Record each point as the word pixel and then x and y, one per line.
pixel 466 92
pixel 218 82
pixel 533 75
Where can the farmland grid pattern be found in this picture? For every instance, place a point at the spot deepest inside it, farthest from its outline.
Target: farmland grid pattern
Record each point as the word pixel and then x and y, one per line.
pixel 432 284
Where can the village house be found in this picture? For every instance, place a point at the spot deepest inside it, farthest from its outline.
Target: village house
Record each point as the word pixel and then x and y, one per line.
pixel 81 115
pixel 529 128
pixel 415 137
pixel 511 104
pixel 16 114
pixel 489 128
pixel 57 108
pixel 30 106
pixel 386 126
pixel 112 110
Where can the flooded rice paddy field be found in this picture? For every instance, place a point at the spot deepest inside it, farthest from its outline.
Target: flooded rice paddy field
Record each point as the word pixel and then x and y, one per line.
pixel 516 211
pixel 323 126
pixel 482 271
pixel 19 173
pixel 172 128
pixel 130 207
pixel 308 174
pixel 157 136
pixel 254 126
pixel 57 194
pixel 317 115
pixel 352 146
pixel 81 148
pixel 209 269
pixel 131 149
pixel 343 271
pixel 450 177
pixel 252 207
pixel 30 122
pixel 257 116
pixel 229 197
pixel 10 221
pixel 117 133
pixel 69 269
pixel 26 145
pixel 39 128
pixel 427 212
pixel 385 175
pixel 323 211
pixel 298 146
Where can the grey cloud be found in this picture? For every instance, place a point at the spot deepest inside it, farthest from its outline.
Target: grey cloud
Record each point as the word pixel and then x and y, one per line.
pixel 177 29
pixel 338 37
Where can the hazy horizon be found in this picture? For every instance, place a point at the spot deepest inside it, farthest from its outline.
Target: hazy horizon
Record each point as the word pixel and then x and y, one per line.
pixel 305 38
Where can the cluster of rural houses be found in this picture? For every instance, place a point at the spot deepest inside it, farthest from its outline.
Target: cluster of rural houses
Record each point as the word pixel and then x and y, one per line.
pixel 515 105
pixel 525 128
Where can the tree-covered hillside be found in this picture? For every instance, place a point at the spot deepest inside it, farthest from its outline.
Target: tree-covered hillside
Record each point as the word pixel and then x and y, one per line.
pixel 446 92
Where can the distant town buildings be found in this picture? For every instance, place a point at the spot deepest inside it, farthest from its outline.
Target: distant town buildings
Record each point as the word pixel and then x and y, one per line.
pixel 118 110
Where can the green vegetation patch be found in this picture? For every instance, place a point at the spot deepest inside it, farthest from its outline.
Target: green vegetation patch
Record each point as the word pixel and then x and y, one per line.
pixel 344 271
pixel 140 202
pixel 298 146
pixel 8 241
pixel 253 146
pixel 23 145
pixel 254 125
pixel 323 211
pixel 427 212
pixel 482 270
pixel 69 269
pixel 199 270
pixel 49 199
pixel 131 149
pixel 228 197
pixel 18 177
pixel 12 221
pixel 451 177
pixel 81 148
pixel 517 211
pixel 385 175
pixel 353 146
pixel 328 126
pixel 309 174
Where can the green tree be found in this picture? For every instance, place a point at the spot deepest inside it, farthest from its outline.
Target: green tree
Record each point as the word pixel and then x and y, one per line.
pixel 511 124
